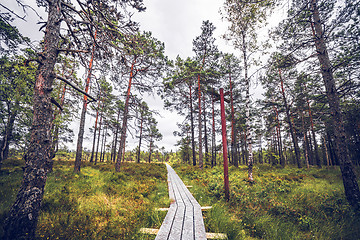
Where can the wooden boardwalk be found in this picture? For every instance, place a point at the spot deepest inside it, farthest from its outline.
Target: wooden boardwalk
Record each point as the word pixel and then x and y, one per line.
pixel 184 219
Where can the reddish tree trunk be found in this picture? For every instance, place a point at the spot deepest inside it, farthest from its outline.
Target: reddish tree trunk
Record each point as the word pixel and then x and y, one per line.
pixel 224 140
pixel 77 164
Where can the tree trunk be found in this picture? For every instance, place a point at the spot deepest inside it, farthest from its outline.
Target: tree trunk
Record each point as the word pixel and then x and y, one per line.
pixel 205 132
pixel 150 151
pixel 200 126
pixel 140 138
pixel 124 125
pixel 95 130
pixel 103 143
pixel 55 145
pixel 351 186
pixel 305 145
pixel 234 154
pixel 278 133
pixel 192 129
pixel 317 158
pixel 5 143
pixel 23 215
pixel 98 139
pixel 292 129
pixel 77 164
pixel 213 136
pixel 116 136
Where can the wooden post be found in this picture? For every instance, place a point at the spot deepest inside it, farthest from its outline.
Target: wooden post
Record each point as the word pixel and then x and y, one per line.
pixel 223 128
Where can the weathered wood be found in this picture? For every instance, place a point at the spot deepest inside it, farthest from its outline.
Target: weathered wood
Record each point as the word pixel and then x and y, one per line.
pixel 184 218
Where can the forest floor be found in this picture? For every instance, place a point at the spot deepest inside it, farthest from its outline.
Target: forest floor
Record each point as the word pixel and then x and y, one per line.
pixel 98 203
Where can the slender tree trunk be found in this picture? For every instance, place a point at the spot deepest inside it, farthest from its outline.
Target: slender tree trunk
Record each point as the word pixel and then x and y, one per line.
pixel 95 130
pixel 200 126
pixel 98 139
pixel 103 142
pixel 5 143
pixel 23 215
pixel 205 132
pixel 292 129
pixel 278 133
pixel 305 145
pixel 140 138
pixel 56 131
pixel 192 129
pixel 77 164
pixel 351 186
pixel 124 125
pixel 116 136
pixel 326 152
pixel 260 151
pixel 234 154
pixel 150 151
pixel 247 106
pixel 317 158
pixel 213 136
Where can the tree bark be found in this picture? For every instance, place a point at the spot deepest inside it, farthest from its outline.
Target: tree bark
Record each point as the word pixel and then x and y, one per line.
pixel 140 138
pixel 351 186
pixel 124 125
pixel 278 133
pixel 234 154
pixel 5 143
pixel 77 164
pixel 205 132
pixel 213 137
pixel 95 130
pixel 98 139
pixel 192 129
pixel 200 126
pixel 292 129
pixel 116 136
pixel 23 215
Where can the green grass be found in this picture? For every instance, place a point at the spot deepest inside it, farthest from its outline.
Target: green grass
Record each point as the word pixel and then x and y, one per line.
pixel 94 204
pixel 283 203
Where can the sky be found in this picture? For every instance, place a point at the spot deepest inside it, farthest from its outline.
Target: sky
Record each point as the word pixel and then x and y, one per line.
pixel 174 22
pixel 177 23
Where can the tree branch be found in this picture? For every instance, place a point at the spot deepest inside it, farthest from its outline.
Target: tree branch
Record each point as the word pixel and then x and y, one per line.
pixel 75 87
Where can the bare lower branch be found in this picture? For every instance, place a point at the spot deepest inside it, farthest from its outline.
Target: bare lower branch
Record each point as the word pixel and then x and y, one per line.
pixel 75 87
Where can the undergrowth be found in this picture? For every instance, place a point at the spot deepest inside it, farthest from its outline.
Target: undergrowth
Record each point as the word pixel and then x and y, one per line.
pixel 94 204
pixel 283 203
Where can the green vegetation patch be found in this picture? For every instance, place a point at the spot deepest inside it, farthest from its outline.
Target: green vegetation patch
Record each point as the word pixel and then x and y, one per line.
pixel 97 203
pixel 283 203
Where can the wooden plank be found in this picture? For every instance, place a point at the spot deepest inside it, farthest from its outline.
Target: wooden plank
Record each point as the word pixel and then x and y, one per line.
pixel 149 230
pixel 205 208
pixel 184 219
pixel 216 236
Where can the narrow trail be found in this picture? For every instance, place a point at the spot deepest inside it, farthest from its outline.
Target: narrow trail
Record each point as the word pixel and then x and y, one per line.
pixel 184 220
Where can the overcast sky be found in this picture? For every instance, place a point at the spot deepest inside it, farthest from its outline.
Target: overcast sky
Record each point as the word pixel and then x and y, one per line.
pixel 174 22
pixel 177 23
